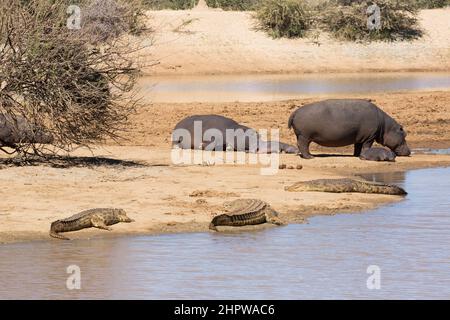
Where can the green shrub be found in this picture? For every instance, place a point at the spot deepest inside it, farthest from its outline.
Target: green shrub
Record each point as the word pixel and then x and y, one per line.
pixel 398 21
pixel 284 18
pixel 170 4
pixel 431 4
pixel 239 5
pixel 421 4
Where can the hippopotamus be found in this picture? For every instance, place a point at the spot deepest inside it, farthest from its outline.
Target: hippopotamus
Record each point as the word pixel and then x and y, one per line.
pixel 342 122
pixel 377 154
pixel 16 129
pixel 215 132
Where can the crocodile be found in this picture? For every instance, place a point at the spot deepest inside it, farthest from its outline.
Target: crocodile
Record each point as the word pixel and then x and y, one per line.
pixel 243 212
pixel 346 185
pixel 99 218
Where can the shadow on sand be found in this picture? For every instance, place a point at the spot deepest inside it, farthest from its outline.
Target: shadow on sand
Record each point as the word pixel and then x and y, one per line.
pixel 339 155
pixel 69 162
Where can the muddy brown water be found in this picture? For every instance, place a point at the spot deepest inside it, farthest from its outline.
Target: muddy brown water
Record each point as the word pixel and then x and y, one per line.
pixel 275 87
pixel 329 257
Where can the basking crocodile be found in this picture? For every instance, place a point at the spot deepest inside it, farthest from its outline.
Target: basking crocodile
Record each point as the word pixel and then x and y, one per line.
pixel 243 212
pixel 93 218
pixel 346 185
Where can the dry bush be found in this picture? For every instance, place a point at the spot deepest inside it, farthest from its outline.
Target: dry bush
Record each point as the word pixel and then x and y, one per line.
pixel 170 4
pixel 60 83
pixel 284 18
pixel 431 4
pixel 104 20
pixel 422 4
pixel 238 5
pixel 349 22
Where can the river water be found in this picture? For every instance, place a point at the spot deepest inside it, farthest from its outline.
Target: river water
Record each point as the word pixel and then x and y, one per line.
pixel 404 246
pixel 275 87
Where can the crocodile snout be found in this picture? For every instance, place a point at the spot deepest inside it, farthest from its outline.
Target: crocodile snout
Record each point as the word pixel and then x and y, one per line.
pixel 212 226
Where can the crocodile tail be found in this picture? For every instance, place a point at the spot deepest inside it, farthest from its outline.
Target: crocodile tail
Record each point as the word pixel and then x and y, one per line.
pixel 291 119
pixel 57 235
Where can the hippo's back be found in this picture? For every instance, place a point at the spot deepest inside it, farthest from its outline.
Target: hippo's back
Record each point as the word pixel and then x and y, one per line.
pixel 205 122
pixel 336 122
pixel 335 109
pixel 208 121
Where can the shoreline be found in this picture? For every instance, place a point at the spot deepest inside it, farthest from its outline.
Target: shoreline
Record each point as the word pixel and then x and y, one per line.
pixel 296 72
pixel 185 89
pixel 183 214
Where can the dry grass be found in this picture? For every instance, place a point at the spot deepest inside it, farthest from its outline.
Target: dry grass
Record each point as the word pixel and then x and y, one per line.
pixel 170 4
pixel 284 18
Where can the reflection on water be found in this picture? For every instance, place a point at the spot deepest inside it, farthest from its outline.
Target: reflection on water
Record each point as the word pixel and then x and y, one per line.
pixel 327 258
pixel 274 87
pixel 385 177
pixel 431 151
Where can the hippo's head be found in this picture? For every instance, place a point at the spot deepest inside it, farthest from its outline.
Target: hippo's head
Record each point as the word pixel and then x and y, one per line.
pixel 290 149
pixel 395 139
pixel 390 156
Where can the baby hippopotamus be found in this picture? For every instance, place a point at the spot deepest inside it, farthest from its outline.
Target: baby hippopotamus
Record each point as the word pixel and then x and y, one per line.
pixel 343 122
pixel 377 154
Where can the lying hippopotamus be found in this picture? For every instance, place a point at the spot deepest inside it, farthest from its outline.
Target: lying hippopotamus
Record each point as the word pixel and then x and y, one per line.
pixel 16 129
pixel 377 154
pixel 342 122
pixel 215 132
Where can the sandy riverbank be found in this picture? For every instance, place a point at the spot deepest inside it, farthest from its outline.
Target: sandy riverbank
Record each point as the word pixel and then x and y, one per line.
pixel 425 116
pixel 157 193
pixel 211 41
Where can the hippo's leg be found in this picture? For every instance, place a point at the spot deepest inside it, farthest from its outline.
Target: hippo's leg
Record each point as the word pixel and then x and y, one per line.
pixel 367 145
pixel 303 147
pixel 358 149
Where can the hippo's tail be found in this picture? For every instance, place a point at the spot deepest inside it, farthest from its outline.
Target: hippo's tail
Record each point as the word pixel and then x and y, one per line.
pixel 291 119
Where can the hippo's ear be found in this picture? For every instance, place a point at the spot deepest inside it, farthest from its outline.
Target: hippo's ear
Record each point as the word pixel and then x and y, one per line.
pixel 402 131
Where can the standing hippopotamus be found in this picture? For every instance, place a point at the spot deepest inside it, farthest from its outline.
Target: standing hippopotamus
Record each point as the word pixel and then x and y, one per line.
pixel 377 154
pixel 215 132
pixel 16 129
pixel 342 122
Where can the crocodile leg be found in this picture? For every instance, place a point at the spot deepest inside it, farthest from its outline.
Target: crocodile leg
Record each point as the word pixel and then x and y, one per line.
pixel 98 222
pixel 275 220
pixel 212 227
pixel 58 236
